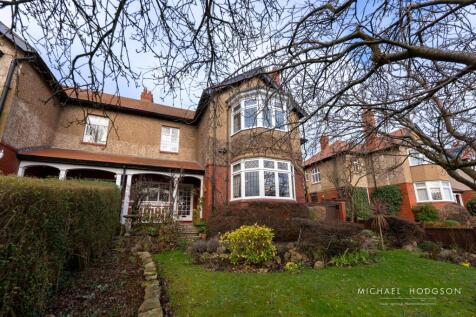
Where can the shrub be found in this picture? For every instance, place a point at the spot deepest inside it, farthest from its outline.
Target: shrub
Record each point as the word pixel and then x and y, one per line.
pixel 48 226
pixel 452 223
pixel 291 267
pixel 401 232
pixel 276 216
pixel 429 246
pixel 471 206
pixel 390 195
pixel 454 212
pixel 348 259
pixel 425 213
pixel 198 247
pixel 330 239
pixel 360 203
pixel 250 244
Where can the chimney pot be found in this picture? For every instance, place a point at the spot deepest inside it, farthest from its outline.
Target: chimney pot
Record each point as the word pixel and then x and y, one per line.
pixel 276 76
pixel 146 95
pixel 369 125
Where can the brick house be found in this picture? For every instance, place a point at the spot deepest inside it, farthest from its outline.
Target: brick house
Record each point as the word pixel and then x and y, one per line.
pixel 377 162
pixel 238 146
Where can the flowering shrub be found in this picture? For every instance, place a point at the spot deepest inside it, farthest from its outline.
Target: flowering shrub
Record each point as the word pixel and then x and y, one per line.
pixel 291 267
pixel 250 244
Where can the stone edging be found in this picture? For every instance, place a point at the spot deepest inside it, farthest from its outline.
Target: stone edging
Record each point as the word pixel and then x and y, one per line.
pixel 151 306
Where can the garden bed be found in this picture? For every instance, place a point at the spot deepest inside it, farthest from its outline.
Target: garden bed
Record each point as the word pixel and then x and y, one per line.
pixel 195 291
pixel 111 286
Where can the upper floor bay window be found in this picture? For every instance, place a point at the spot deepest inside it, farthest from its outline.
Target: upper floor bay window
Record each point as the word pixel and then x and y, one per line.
pixel 170 139
pixel 96 129
pixel 315 175
pixel 416 158
pixel 258 110
pixel 433 191
pixel 262 178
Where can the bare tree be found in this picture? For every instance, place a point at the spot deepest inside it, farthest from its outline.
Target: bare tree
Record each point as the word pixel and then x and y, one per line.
pixel 413 63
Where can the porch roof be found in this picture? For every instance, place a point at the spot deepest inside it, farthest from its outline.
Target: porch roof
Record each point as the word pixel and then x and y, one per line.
pixel 103 159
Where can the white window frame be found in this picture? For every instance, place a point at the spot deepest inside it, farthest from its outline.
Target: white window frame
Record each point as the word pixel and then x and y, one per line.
pixel 241 170
pixel 262 98
pixel 99 121
pixel 415 158
pixel 441 185
pixel 167 145
pixel 315 175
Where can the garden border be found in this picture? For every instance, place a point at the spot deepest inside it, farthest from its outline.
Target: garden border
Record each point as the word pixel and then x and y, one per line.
pixel 151 306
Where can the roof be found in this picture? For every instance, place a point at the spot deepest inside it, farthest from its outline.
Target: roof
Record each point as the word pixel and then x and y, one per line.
pixel 378 143
pixel 105 159
pixel 16 39
pixel 125 103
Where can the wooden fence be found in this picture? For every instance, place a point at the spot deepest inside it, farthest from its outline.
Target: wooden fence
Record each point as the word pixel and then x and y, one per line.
pixel 464 238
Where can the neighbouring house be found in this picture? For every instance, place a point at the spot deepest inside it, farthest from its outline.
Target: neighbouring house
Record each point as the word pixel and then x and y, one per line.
pixel 238 146
pixel 376 162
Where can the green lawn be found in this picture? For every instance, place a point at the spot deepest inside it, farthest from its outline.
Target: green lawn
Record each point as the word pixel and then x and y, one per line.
pixel 195 291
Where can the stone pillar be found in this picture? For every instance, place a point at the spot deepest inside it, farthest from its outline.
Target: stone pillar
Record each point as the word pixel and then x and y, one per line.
pixel 176 180
pixel 125 202
pixel 200 198
pixel 62 174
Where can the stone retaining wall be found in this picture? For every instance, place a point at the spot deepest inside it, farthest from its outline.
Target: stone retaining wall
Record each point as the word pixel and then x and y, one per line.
pixel 151 306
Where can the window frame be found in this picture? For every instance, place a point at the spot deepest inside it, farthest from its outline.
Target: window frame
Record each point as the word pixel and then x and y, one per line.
pixel 86 136
pixel 428 185
pixel 162 149
pixel 263 101
pixel 242 170
pixel 315 174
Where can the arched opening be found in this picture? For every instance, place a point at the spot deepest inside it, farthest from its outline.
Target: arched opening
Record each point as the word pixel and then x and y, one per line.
pixel 41 171
pixel 90 174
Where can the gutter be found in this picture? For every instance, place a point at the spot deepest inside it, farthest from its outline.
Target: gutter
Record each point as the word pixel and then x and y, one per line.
pixel 8 80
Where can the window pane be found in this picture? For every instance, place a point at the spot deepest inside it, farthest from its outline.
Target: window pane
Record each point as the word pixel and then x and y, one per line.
pixel 237 186
pixel 269 164
pixel 283 184
pixel 422 194
pixel 251 184
pixel 250 117
pixel 283 166
pixel 436 194
pixel 420 185
pixel 280 119
pixel 237 122
pixel 447 194
pixel 269 184
pixel 95 130
pixel 169 139
pixel 164 193
pixel 252 164
pixel 236 167
pixel 267 117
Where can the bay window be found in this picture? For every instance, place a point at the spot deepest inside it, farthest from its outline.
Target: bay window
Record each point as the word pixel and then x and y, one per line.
pixel 256 109
pixel 433 191
pixel 262 178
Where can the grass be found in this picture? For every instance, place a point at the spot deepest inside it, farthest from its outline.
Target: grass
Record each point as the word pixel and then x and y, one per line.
pixel 194 291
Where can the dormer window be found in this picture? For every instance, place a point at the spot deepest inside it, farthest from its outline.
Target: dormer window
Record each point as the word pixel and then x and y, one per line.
pixel 256 109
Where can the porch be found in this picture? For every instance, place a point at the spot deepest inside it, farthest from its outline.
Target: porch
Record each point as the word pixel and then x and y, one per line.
pixel 153 196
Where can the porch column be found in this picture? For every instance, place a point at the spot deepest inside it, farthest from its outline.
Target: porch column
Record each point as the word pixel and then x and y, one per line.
pixel 118 180
pixel 176 182
pixel 201 197
pixel 21 171
pixel 62 174
pixel 125 202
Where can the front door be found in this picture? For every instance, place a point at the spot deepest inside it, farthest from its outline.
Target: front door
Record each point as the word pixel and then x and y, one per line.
pixel 184 203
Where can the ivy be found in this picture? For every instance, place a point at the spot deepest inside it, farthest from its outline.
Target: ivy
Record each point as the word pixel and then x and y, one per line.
pixel 390 196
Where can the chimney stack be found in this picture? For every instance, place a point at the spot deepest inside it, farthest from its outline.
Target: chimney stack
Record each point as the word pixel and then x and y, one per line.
pixel 324 140
pixel 369 125
pixel 146 95
pixel 276 76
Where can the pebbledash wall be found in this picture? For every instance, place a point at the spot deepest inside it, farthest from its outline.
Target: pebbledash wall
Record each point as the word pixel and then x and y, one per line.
pixel 32 118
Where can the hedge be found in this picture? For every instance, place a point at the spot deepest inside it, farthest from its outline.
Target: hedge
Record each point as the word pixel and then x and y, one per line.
pixel 360 203
pixel 390 195
pixel 46 227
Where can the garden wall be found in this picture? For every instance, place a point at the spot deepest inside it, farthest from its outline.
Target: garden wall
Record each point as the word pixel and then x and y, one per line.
pixel 48 226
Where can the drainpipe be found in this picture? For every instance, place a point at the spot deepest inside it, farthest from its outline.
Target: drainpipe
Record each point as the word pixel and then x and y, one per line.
pixel 8 80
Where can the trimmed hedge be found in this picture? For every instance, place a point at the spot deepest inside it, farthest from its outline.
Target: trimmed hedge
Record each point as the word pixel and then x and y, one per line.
pixel 425 212
pixel 390 195
pixel 47 226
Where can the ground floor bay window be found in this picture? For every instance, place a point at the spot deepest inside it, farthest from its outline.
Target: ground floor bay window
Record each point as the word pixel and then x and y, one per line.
pixel 433 191
pixel 262 178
